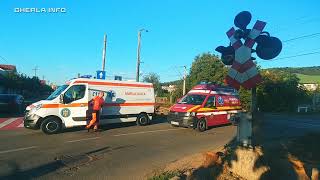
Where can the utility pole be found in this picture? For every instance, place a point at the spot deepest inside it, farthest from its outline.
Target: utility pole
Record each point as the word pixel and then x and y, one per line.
pixel 35 71
pixel 184 79
pixel 138 54
pixel 138 57
pixel 104 52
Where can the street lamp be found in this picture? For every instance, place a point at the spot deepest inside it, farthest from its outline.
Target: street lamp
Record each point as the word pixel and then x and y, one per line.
pixel 138 53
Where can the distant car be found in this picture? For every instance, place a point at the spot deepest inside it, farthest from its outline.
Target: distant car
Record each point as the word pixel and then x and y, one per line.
pixel 13 103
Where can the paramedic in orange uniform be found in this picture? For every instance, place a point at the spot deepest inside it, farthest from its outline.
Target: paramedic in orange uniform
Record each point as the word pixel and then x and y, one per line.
pixel 98 102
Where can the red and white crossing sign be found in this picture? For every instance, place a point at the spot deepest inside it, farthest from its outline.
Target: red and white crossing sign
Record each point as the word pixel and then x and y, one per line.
pixel 243 71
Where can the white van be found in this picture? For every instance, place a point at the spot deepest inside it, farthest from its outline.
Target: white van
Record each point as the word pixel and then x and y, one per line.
pixel 68 105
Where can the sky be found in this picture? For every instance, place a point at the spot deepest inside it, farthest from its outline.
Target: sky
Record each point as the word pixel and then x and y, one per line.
pixel 62 45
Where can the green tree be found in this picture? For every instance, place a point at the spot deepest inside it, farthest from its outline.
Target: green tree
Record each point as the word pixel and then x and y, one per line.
pixel 280 91
pixel 245 98
pixel 28 87
pixel 207 67
pixel 155 80
pixel 178 92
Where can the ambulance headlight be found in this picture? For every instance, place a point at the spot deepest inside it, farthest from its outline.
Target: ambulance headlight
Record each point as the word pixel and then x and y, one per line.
pixel 36 108
pixel 191 114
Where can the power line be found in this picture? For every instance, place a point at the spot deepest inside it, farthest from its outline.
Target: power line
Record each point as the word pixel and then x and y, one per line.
pixel 4 59
pixel 301 21
pixel 298 55
pixel 302 37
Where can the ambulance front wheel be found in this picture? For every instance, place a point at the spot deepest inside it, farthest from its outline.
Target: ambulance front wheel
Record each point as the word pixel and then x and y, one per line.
pixel 51 125
pixel 143 119
pixel 202 125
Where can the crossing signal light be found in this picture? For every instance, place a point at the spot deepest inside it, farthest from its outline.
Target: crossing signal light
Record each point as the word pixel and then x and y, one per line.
pixel 268 47
pixel 242 20
pixel 227 54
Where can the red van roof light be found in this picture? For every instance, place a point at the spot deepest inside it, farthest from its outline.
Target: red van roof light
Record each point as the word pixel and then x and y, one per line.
pixel 214 87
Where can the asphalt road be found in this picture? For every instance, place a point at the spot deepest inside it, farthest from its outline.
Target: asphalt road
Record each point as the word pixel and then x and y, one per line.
pixel 119 152
pixel 289 125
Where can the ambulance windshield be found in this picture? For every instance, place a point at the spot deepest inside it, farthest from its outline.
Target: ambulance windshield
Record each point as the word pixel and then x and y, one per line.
pixel 57 92
pixel 194 99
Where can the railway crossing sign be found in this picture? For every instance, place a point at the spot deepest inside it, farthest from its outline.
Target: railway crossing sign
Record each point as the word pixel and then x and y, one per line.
pixel 243 71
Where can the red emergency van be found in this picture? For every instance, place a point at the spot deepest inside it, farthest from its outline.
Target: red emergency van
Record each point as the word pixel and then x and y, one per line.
pixel 204 106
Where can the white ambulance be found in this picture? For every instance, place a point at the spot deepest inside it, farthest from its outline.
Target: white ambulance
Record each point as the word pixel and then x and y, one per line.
pixel 68 106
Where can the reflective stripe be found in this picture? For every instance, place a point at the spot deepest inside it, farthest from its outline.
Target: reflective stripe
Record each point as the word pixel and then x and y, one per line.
pixel 193 108
pixel 254 33
pixel 64 105
pixel 231 32
pixel 242 54
pixel 232 73
pixel 252 72
pixel 219 112
pixel 113 84
pixel 86 104
pixel 129 104
pixel 242 77
pixel 205 109
pixel 232 108
pixel 229 108
pixel 213 113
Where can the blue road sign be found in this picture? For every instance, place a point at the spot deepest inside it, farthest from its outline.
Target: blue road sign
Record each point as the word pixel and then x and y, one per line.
pixel 101 75
pixel 119 78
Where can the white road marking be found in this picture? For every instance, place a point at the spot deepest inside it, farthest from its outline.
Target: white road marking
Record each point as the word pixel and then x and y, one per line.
pixel 86 139
pixel 21 125
pixel 18 149
pixel 143 132
pixel 7 122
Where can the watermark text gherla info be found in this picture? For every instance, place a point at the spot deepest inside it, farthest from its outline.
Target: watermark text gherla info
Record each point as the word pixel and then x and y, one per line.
pixel 40 10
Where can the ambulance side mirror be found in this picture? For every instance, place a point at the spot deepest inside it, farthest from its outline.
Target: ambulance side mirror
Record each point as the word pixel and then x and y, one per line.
pixel 61 98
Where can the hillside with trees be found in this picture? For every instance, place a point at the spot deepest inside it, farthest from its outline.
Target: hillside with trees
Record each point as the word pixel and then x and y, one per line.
pixel 312 71
pixel 279 90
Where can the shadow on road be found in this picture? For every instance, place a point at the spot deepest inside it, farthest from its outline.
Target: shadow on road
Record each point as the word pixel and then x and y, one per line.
pixel 279 157
pixel 64 165
pixel 157 120
pixel 16 173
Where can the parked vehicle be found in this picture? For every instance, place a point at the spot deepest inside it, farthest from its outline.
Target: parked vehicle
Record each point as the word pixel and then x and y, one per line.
pixel 11 103
pixel 204 106
pixel 68 105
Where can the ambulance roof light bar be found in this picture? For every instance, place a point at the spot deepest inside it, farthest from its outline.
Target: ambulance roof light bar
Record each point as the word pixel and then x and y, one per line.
pixel 214 87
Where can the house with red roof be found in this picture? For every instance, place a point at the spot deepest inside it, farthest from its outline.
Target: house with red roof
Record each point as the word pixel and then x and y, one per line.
pixel 6 68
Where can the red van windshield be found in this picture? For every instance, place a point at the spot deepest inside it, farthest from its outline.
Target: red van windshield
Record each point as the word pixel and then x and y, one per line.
pixel 194 99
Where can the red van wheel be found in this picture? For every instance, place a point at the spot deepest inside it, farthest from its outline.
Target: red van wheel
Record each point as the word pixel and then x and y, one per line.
pixel 202 125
